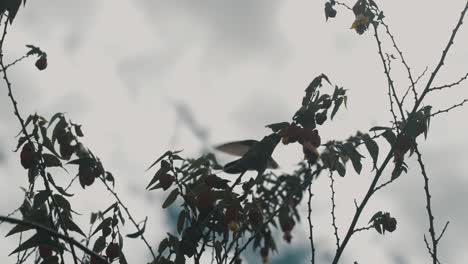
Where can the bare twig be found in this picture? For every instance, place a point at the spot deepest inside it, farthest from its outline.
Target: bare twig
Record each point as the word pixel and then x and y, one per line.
pixel 415 82
pixel 408 69
pixel 389 78
pixel 442 58
pixel 344 5
pixel 389 155
pixel 363 229
pixel 384 184
pixel 24 131
pixel 16 61
pixel 337 238
pixel 428 207
pixel 443 231
pixel 450 85
pixel 450 108
pixel 309 218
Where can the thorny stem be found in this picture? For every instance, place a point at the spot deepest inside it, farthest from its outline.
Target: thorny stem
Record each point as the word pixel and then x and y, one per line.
pixel 450 85
pixel 130 217
pixel 337 238
pixel 408 69
pixel 415 82
pixel 442 59
pixel 24 131
pixel 311 233
pixel 432 231
pixel 387 74
pixel 450 108
pixel 389 155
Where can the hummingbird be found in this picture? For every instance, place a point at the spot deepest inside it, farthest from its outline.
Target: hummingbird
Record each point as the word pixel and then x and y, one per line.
pixel 256 155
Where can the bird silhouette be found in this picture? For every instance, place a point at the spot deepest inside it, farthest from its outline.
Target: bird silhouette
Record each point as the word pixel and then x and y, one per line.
pixel 256 155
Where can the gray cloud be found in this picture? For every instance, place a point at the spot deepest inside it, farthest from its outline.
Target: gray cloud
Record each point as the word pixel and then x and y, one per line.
pixel 73 18
pixel 225 29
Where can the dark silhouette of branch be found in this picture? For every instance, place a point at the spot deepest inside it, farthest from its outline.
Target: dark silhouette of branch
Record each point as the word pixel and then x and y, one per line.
pixel 415 82
pixel 311 233
pixel 15 61
pixel 379 172
pixel 442 58
pixel 337 238
pixel 390 97
pixel 384 184
pixel 363 229
pixel 387 74
pixel 449 85
pixel 432 231
pixel 130 217
pixel 450 108
pixel 443 231
pixel 25 133
pixel 403 61
pixel 53 233
pixel 344 5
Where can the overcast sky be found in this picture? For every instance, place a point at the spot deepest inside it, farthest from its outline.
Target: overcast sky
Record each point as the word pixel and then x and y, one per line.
pixel 125 68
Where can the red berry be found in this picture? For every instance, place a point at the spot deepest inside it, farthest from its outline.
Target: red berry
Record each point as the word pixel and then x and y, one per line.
pixel 45 251
pixel 310 135
pixel 95 260
pixel 232 217
pixel 287 226
pixel 232 214
pixel 390 224
pixel 112 251
pixel 287 236
pixel 41 63
pixel 206 200
pixel 255 216
pixel 264 254
pixel 291 134
pixel 27 155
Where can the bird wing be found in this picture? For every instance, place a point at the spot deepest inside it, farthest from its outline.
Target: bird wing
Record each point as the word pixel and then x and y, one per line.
pixel 236 148
pixel 272 164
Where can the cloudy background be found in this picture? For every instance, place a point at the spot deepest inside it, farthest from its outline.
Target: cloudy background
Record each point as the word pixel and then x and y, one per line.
pixel 142 75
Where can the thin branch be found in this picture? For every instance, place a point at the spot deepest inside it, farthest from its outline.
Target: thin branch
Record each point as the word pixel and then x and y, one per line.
pixel 450 108
pixel 387 74
pixel 363 229
pixel 450 85
pixel 443 231
pixel 415 82
pixel 442 58
pixel 337 238
pixel 384 184
pixel 408 69
pixel 428 207
pixel 130 217
pixel 344 5
pixel 311 233
pixel 53 233
pixel 24 131
pixel 15 61
pixel 390 98
pixel 389 155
